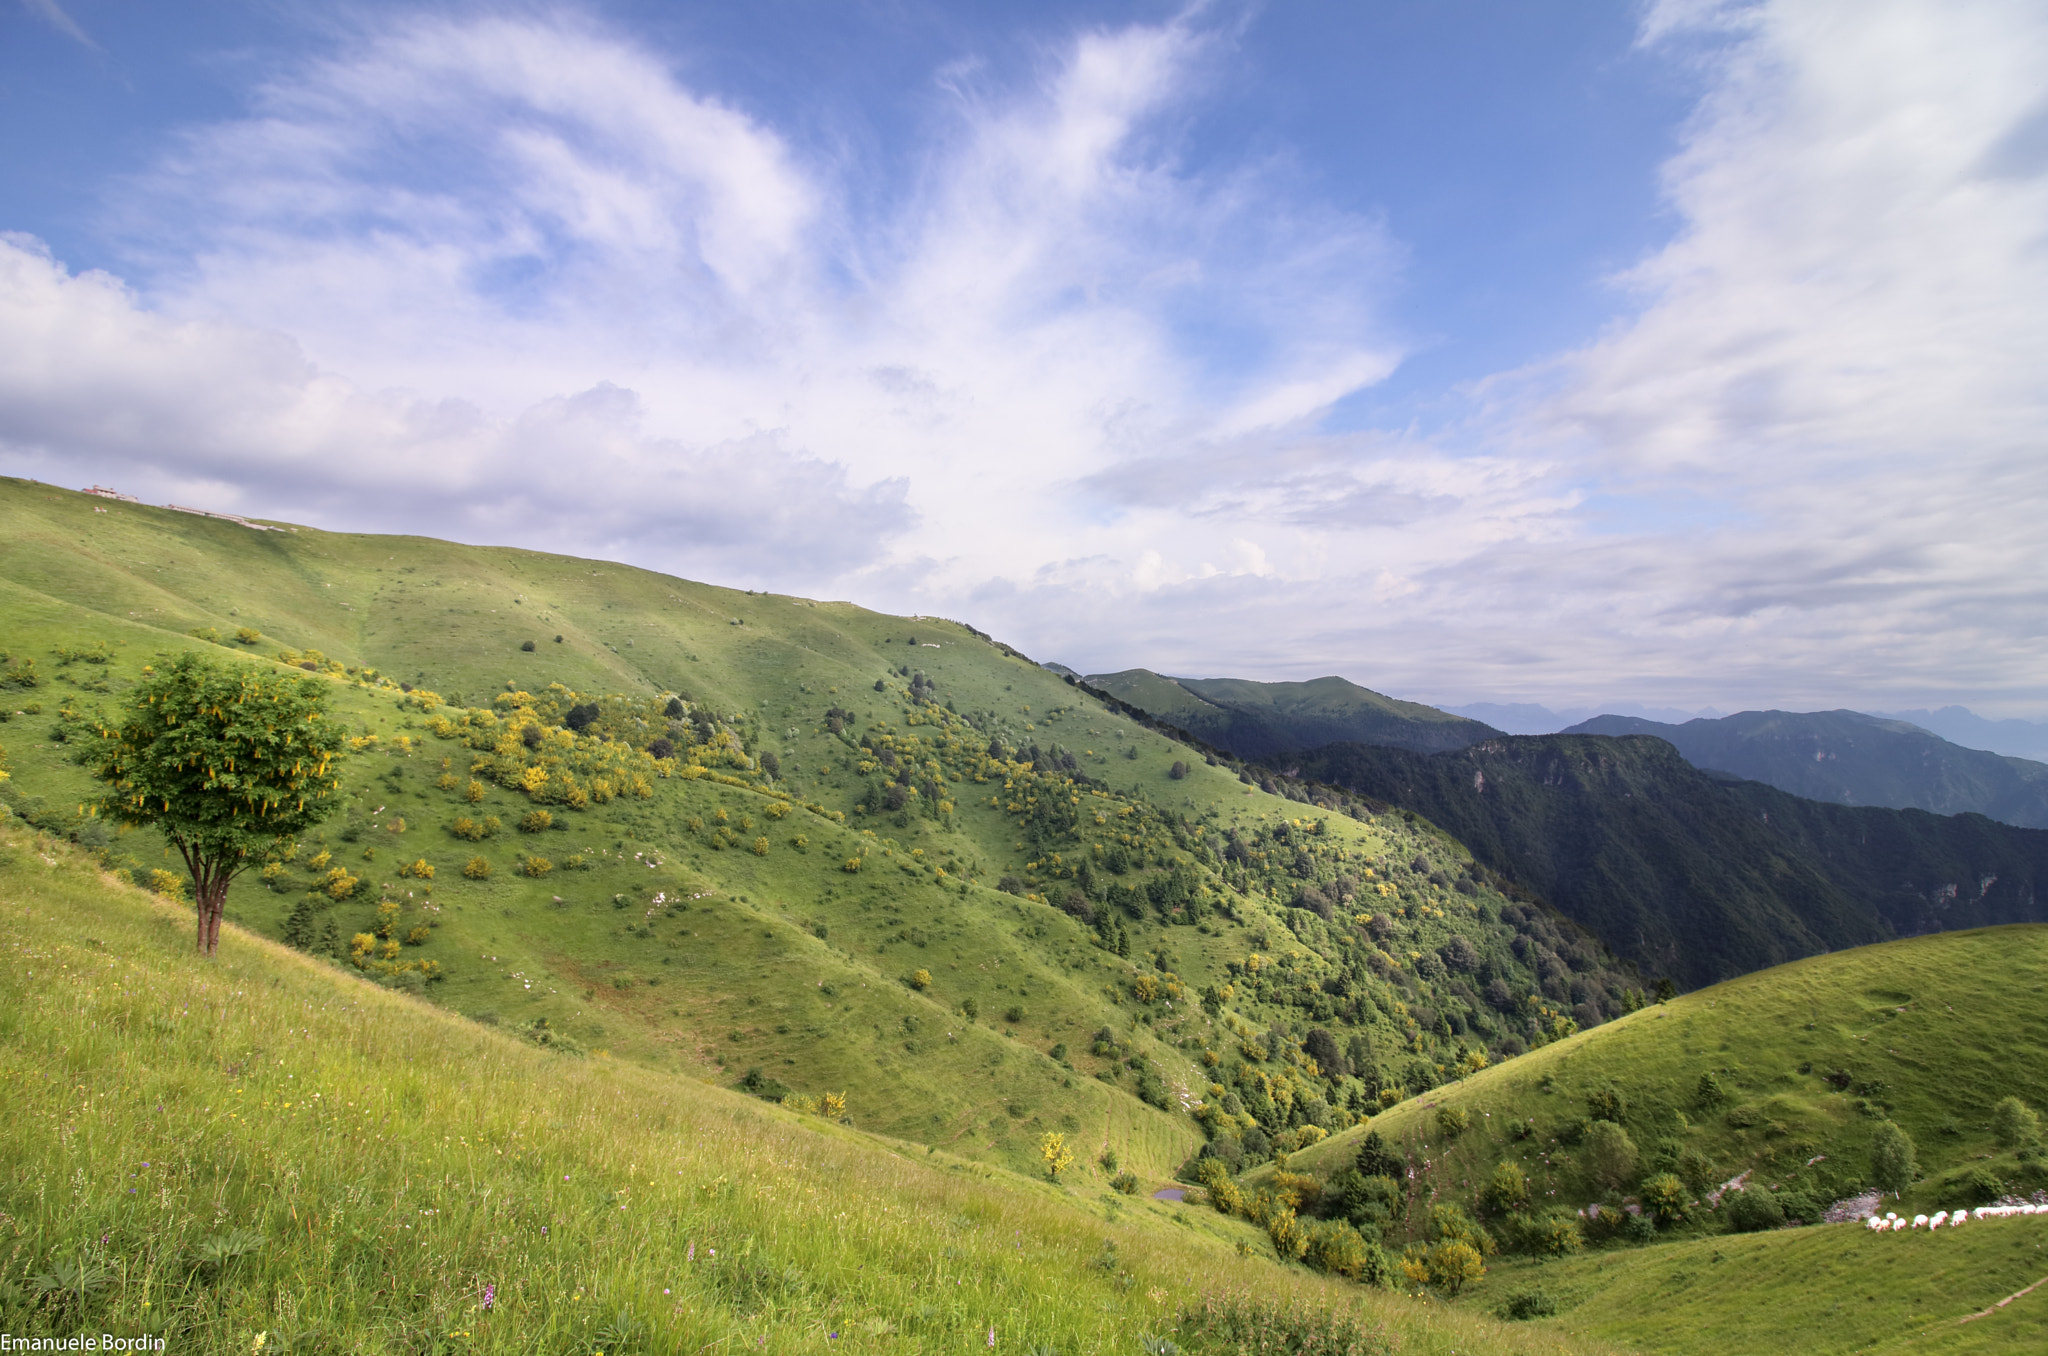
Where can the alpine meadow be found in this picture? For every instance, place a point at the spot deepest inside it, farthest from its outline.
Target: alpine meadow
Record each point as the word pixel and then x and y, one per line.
pixel 676 965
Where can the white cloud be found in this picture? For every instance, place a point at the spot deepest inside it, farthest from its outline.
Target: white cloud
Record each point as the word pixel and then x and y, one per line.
pixel 513 279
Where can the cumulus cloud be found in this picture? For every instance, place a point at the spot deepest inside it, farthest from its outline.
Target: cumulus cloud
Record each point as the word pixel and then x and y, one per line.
pixel 513 279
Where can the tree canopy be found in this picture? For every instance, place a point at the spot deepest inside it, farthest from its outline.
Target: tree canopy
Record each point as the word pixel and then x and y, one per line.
pixel 225 760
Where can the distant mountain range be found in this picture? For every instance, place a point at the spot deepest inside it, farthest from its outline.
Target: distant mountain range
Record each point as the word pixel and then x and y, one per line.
pixel 1272 720
pixel 1957 724
pixel 1849 758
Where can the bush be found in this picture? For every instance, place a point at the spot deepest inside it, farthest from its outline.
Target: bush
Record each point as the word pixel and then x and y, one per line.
pixel 2014 1123
pixel 527 646
pixel 1451 1121
pixel 1752 1211
pixel 164 883
pixel 1452 1265
pixel 1125 1182
pixel 1527 1304
pixel 920 980
pixel 1509 1189
pixel 535 821
pixel 1610 1154
pixel 477 869
pixel 1709 1091
pixel 1014 1013
pixel 1893 1162
pixel 1178 770
pixel 535 866
pixel 248 635
pixel 1664 1196
pixel 761 847
pixel 1978 1185
pixel 1606 1104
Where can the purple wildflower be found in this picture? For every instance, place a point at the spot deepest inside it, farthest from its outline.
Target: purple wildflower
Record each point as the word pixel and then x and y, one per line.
pixel 490 1296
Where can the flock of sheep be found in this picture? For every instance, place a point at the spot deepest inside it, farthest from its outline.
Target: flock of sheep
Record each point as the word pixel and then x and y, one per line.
pixel 1880 1223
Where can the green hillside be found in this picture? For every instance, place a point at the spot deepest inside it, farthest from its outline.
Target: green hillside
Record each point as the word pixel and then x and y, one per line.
pixel 1849 758
pixel 1800 1066
pixel 1692 875
pixel 266 1153
pixel 796 847
pixel 1269 720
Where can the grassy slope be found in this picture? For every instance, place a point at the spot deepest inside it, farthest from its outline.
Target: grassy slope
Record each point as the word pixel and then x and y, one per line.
pixel 1948 1024
pixel 395 1160
pixel 741 975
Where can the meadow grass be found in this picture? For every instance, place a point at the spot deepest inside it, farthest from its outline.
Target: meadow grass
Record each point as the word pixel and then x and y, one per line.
pixel 262 1144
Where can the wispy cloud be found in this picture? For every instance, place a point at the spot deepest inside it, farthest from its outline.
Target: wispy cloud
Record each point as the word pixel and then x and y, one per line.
pixel 514 279
pixel 51 13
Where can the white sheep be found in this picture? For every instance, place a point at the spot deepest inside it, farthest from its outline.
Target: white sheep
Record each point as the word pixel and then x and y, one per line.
pixel 1899 1224
pixel 1919 1221
pixel 1957 1218
pixel 1876 1223
pixel 1940 1218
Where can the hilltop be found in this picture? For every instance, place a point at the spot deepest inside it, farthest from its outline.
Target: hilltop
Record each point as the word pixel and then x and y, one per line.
pixel 1265 721
pixel 1848 758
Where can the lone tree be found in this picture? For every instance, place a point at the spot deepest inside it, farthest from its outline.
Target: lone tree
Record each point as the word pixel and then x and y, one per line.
pixel 225 760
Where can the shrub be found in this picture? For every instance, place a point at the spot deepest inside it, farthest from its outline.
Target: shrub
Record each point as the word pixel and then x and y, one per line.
pixel 2014 1123
pixel 535 866
pixel 1606 1104
pixel 166 884
pixel 1509 1189
pixel 1893 1162
pixel 1453 1265
pixel 387 917
pixel 419 935
pixel 1664 1196
pixel 1178 770
pixel 1451 1121
pixel 534 821
pixel 419 870
pixel 1052 1146
pixel 1709 1092
pixel 920 980
pixel 1610 1154
pixel 1557 1233
pixel 248 635
pixel 477 869
pixel 1125 1182
pixel 527 646
pixel 1527 1304
pixel 474 792
pixel 1375 1159
pixel 1752 1211
pixel 971 1010
pixel 1978 1185
pixel 761 847
pixel 340 884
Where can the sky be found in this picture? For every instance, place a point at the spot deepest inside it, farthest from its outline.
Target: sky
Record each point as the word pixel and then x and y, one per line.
pixel 1675 353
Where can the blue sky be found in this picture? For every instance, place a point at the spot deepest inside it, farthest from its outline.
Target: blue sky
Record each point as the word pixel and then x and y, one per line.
pixel 1685 353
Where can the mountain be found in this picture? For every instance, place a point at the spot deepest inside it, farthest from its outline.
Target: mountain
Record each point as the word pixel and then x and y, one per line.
pixel 1778 1080
pixel 1960 725
pixel 1693 875
pixel 1853 759
pixel 1265 721
pixel 1527 718
pixel 793 846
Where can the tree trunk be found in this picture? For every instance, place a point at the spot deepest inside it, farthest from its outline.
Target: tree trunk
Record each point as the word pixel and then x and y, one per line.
pixel 212 904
